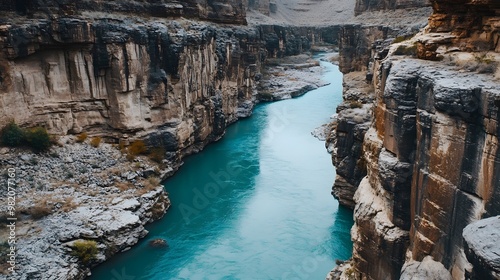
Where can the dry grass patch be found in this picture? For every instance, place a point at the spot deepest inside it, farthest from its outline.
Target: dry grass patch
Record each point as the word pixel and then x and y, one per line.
pixel 80 138
pixel 95 142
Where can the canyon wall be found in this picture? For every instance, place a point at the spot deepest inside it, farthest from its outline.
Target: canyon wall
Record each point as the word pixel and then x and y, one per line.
pixel 226 11
pixel 359 47
pixel 379 5
pixel 177 84
pixel 431 151
pixel 110 77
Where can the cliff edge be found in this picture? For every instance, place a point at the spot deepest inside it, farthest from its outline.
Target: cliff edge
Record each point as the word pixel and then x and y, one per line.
pixel 431 151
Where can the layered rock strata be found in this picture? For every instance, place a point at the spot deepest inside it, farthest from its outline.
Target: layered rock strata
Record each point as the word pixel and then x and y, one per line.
pixel 431 153
pixel 359 48
pixel 378 5
pixel 177 84
pixel 226 11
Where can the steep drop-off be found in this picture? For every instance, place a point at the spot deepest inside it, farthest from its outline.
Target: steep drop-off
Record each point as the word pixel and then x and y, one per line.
pixel 431 152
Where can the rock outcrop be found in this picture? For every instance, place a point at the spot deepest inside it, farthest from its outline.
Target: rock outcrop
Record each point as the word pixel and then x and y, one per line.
pixel 431 152
pixel 359 47
pixel 482 249
pixel 225 11
pixel 378 5
pixel 112 75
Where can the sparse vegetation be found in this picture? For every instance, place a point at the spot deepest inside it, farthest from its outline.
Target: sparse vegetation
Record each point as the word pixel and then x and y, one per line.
pixel 80 138
pixel 355 104
pixel 36 138
pixel 13 135
pixel 137 148
pixel 68 204
pixel 95 142
pixel 485 63
pixel 40 210
pixel 400 39
pixel 157 154
pixel 123 186
pixel 406 50
pixel 85 250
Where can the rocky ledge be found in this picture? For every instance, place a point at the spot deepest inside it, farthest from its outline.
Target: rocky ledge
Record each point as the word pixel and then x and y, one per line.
pixel 289 77
pixel 482 248
pixel 78 192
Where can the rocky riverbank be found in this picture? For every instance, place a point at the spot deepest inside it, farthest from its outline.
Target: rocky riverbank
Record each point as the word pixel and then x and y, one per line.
pixel 78 192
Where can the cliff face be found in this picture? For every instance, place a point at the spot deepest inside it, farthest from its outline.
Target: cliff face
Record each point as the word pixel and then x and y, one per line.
pixel 431 153
pixel 377 5
pixel 359 46
pixel 227 11
pixel 110 76
pixel 176 83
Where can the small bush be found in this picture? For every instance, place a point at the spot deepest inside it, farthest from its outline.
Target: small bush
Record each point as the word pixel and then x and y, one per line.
pixel 80 138
pixel 355 104
pixel 38 139
pixel 137 148
pixel 13 135
pixel 121 145
pixel 130 157
pixel 406 50
pixel 157 154
pixel 485 64
pixel 95 142
pixel 39 211
pixel 85 250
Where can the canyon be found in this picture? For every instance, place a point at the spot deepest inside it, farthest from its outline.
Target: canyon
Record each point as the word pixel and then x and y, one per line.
pixel 414 143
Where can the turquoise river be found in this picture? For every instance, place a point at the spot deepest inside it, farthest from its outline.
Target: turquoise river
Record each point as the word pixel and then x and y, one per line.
pixel 254 205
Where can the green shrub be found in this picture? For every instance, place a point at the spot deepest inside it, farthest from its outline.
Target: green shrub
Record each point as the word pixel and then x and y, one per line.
pixel 406 50
pixel 85 250
pixel 38 139
pixel 13 135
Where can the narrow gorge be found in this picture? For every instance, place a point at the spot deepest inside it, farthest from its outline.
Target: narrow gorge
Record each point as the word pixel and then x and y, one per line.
pixel 129 90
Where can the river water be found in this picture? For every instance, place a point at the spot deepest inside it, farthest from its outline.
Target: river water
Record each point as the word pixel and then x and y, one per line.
pixel 255 205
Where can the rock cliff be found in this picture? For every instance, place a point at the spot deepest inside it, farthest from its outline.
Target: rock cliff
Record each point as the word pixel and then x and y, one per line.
pixel 226 11
pixel 377 5
pixel 109 75
pixel 431 152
